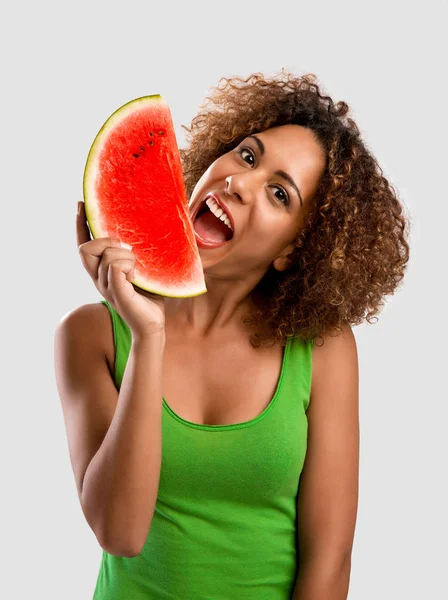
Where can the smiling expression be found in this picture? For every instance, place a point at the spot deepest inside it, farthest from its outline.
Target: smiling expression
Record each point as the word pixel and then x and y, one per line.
pixel 266 185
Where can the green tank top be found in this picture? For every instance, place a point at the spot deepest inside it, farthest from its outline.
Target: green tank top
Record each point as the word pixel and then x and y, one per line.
pixel 224 525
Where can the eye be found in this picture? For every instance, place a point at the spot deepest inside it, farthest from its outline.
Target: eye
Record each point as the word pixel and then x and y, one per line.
pixel 281 195
pixel 250 153
pixel 284 198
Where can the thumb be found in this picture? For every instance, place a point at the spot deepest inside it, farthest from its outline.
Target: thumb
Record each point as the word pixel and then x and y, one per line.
pixel 82 228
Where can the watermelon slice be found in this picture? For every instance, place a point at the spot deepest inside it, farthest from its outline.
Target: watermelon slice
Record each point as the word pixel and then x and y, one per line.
pixel 134 191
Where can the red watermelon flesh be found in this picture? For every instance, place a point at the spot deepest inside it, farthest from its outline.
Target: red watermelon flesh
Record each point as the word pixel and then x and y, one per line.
pixel 134 191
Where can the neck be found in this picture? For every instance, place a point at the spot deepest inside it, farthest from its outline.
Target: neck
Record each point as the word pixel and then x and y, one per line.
pixel 219 310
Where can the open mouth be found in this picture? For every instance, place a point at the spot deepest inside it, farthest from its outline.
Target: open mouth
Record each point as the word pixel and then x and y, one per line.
pixel 212 224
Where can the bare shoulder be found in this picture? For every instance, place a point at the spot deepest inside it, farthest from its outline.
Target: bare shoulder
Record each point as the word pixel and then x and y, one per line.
pixel 90 324
pixel 335 341
pixel 336 354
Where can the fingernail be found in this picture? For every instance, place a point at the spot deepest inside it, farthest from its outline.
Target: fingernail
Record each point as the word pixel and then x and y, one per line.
pixel 79 208
pixel 127 246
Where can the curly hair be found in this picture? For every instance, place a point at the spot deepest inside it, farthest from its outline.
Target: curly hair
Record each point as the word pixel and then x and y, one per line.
pixel 352 249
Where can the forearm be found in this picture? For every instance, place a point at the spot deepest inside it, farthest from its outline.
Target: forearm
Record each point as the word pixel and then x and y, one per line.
pixel 121 483
pixel 316 581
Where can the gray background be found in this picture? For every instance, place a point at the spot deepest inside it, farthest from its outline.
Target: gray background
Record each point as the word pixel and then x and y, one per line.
pixel 65 68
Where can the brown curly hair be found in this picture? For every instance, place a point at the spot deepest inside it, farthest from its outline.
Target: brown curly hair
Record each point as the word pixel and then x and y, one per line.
pixel 352 249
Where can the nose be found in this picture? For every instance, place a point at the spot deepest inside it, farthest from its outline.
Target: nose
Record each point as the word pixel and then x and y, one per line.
pixel 239 186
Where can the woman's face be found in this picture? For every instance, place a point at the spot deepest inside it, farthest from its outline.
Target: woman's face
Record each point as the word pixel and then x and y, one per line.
pixel 266 184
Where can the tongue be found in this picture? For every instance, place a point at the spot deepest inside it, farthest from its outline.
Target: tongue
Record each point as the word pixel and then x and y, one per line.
pixel 211 229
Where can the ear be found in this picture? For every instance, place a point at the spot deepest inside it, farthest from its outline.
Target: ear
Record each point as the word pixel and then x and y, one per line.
pixel 282 262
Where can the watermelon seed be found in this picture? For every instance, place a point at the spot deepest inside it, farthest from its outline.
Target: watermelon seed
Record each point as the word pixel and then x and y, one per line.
pixel 151 143
pixel 142 148
pixel 161 133
pixel 136 155
pixel 151 133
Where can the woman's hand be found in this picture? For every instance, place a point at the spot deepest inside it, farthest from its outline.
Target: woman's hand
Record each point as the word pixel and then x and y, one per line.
pixel 111 268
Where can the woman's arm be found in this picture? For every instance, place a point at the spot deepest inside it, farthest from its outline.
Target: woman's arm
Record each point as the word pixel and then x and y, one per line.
pixel 114 437
pixel 327 501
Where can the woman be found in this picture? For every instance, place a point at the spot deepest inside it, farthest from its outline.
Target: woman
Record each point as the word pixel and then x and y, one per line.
pixel 255 406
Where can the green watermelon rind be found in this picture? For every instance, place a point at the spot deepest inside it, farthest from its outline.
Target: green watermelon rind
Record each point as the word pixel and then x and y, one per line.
pixel 149 285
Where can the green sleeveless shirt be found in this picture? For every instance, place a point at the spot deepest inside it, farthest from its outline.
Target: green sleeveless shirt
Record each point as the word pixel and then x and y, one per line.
pixel 224 525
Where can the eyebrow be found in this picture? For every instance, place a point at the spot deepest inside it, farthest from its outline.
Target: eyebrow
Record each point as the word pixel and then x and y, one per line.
pixel 280 173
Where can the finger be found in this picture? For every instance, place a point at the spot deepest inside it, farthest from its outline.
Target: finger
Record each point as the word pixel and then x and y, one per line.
pixel 82 228
pixel 92 253
pixel 112 256
pixel 117 273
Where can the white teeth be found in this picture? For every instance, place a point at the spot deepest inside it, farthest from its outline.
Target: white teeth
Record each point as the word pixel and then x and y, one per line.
pixel 218 212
